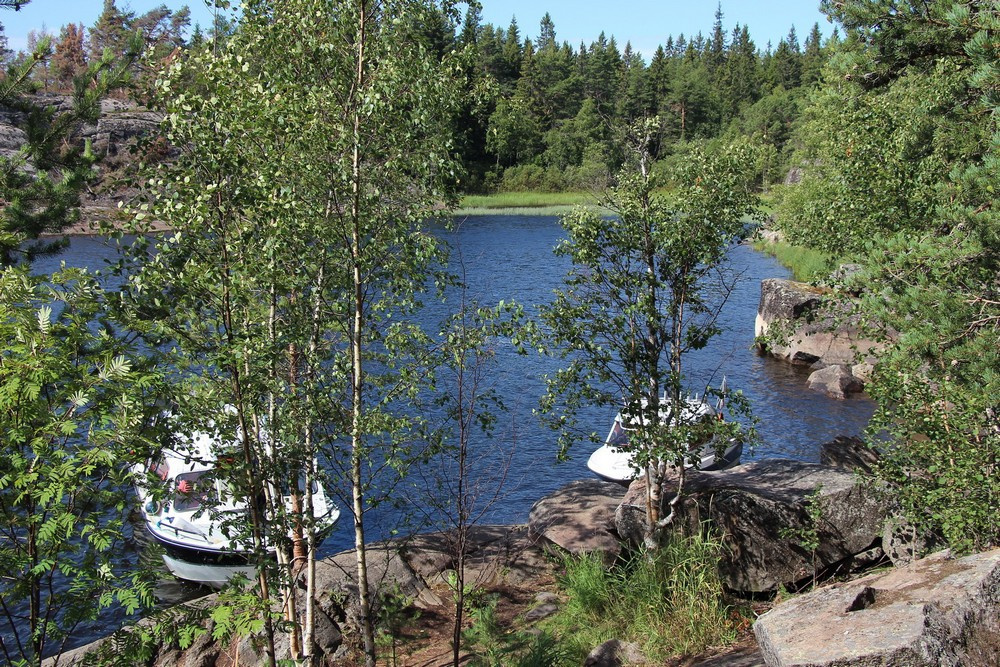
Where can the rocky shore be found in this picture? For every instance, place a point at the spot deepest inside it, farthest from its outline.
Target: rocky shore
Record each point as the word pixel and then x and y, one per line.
pixel 811 326
pixel 936 611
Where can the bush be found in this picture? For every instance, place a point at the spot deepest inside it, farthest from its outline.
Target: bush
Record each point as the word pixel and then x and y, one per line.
pixel 589 176
pixel 940 463
pixel 532 177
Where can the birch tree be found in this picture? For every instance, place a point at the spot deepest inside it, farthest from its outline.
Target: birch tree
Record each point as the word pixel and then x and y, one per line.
pixel 644 290
pixel 313 147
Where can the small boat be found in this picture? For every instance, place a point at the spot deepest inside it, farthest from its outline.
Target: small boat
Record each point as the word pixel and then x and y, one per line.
pixel 194 516
pixel 613 463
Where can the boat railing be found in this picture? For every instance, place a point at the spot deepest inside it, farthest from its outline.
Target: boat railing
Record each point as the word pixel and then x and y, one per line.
pixel 178 530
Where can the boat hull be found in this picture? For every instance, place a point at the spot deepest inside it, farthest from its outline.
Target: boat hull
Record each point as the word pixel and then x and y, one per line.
pixel 190 511
pixel 198 555
pixel 206 574
pixel 614 465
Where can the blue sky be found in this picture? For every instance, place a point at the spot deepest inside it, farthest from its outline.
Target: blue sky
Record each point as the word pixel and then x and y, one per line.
pixel 645 23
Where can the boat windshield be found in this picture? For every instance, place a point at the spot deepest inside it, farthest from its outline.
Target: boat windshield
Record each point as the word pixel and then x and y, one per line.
pixel 618 436
pixel 192 490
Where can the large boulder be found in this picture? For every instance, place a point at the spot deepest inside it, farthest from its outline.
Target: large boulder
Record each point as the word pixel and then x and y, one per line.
pixel 936 611
pixel 836 381
pixel 11 138
pixel 579 517
pixel 804 325
pixel 493 555
pixel 389 574
pixel 767 513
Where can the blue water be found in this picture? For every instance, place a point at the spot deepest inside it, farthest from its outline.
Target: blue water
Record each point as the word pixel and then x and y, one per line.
pixel 510 258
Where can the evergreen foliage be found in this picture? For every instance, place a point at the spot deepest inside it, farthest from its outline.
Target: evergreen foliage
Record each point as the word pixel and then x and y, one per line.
pixel 524 95
pixel 40 184
pixel 696 87
pixel 899 146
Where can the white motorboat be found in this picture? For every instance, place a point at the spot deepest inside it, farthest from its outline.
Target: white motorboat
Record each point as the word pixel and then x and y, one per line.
pixel 612 460
pixel 189 510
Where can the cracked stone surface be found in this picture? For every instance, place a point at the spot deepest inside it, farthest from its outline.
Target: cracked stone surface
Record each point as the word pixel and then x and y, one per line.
pixel 935 611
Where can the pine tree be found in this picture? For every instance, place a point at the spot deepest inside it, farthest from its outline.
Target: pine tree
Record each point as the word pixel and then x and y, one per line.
pixel 917 100
pixel 471 25
pixel 716 55
pixel 740 84
pixel 512 53
pixel 812 56
pixel 41 183
pixel 5 51
pixel 110 31
pixel 69 59
pixel 546 34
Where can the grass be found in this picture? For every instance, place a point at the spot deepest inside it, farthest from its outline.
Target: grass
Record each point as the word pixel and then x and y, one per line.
pixel 492 642
pixel 524 203
pixel 671 605
pixel 805 264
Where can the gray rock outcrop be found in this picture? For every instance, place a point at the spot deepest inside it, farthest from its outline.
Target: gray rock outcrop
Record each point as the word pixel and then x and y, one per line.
pixel 120 123
pixel 114 130
pixel 579 517
pixel 615 653
pixel 761 509
pixel 799 323
pixel 849 453
pixel 935 611
pixel 794 176
pixel 11 138
pixel 414 568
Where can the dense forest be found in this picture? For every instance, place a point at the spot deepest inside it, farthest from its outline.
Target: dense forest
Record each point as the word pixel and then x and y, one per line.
pixel 539 114
pixel 341 128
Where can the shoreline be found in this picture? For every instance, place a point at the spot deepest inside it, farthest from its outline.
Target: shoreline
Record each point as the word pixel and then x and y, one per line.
pixel 92 227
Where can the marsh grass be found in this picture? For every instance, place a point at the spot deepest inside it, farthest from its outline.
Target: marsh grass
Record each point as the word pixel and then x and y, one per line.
pixel 672 604
pixel 514 210
pixel 523 199
pixel 525 203
pixel 806 264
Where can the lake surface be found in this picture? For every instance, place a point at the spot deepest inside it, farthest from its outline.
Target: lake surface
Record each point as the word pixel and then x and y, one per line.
pixel 510 258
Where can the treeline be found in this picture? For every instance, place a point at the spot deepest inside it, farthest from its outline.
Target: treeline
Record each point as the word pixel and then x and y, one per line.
pixel 540 114
pixel 63 57
pixel 559 112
